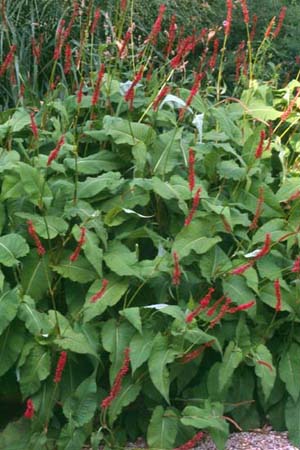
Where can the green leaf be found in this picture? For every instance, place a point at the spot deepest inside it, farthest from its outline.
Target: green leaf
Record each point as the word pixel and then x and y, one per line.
pixel 194 238
pixel 140 348
pixel 209 417
pixel 36 275
pixel 46 226
pixel 289 369
pixel 292 420
pixel 162 429
pixel 35 321
pixel 19 120
pixel 161 355
pixel 233 356
pixel 34 184
pixel 115 290
pixel 266 372
pixel 109 181
pixel 288 188
pixel 9 303
pixel 81 406
pixel 11 344
pixel 16 435
pixel 127 395
pixel 71 438
pixel 236 288
pixel 74 341
pixel 121 260
pixel 104 161
pixel 133 316
pixel 12 247
pixel 35 369
pixel 80 270
pixel 213 262
pixel 125 132
pixel 231 170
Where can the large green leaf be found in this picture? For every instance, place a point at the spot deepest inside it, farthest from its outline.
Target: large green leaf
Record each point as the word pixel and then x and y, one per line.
pixel 289 369
pixel 34 184
pixel 292 420
pixel 46 226
pixel 109 181
pixel 162 429
pixel 34 369
pixel 115 290
pixel 16 435
pixel 140 348
pixel 236 288
pixel 9 303
pixel 103 161
pixel 133 316
pixel 19 120
pixel 209 417
pixel 233 356
pixel 128 394
pixel 71 438
pixel 36 275
pixel 161 355
pixel 194 238
pixel 35 321
pixel 264 369
pixel 80 270
pixel 121 260
pixel 125 132
pixel 80 407
pixel 76 342
pixel 12 247
pixel 11 344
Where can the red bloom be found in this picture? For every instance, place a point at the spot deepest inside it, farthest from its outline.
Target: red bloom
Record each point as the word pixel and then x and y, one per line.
pixel 258 210
pixel 36 48
pixel 241 269
pixel 129 96
pixel 240 60
pixel 59 40
pixel 96 18
pixel 8 60
pixel 176 270
pixel 123 5
pixel 53 155
pixel 118 381
pixel 156 26
pixel 213 59
pixel 192 442
pixel 260 148
pixel 162 93
pixel 33 126
pixel 269 28
pixel 296 265
pixel 80 93
pixel 242 307
pixel 124 43
pixel 196 201
pixel 203 303
pixel 191 169
pixel 289 109
pixel 171 36
pixel 195 88
pixel 29 413
pixel 245 11
pixel 32 232
pixel 266 247
pixel 253 28
pixel 101 292
pixel 278 295
pixel 224 309
pixel 96 92
pixel 60 367
pixel 184 47
pixel 68 56
pixel 66 33
pixel 80 243
pixel 195 353
pixel 280 21
pixel 213 309
pixel 229 17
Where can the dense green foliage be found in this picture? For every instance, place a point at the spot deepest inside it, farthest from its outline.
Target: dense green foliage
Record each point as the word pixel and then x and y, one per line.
pixel 154 249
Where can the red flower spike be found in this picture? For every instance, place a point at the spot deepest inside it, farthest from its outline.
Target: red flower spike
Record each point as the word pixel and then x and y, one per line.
pixel 258 209
pixel 212 310
pixel 296 265
pixel 266 247
pixel 29 413
pixel 242 307
pixel 96 18
pixel 224 309
pixel 80 93
pixel 32 232
pixel 195 88
pixel 80 243
pixel 241 269
pixel 253 28
pixel 191 169
pixel 100 293
pixel 176 270
pixel 204 302
pixel 96 92
pixel 265 363
pixel 260 148
pixel 68 56
pixel 196 201
pixel 171 36
pixel 66 33
pixel 60 367
pixel 294 196
pixel 280 21
pixel 192 442
pixel 129 96
pixel 245 11
pixel 278 295
pixel 123 5
pixel 124 43
pixel 184 47
pixel 118 381
pixel 53 155
pixel 33 126
pixel 8 60
pixel 162 93
pixel 289 109
pixel 229 17
pixel 213 59
pixel 269 27
pixel 156 28
pixel 59 40
pixel 195 353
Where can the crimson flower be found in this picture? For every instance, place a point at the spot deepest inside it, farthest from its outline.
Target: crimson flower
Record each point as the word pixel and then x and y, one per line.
pixel 101 292
pixel 195 204
pixel 192 442
pixel 53 155
pixel 278 295
pixel 60 367
pixel 296 265
pixel 80 243
pixel 176 271
pixel 31 230
pixel 29 413
pixel 118 381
